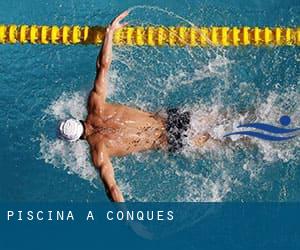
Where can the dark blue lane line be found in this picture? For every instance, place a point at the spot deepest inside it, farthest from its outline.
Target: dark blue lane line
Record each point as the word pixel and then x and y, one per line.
pixel 269 128
pixel 262 136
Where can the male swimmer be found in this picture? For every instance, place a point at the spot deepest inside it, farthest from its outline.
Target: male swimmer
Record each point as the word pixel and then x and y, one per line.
pixel 117 130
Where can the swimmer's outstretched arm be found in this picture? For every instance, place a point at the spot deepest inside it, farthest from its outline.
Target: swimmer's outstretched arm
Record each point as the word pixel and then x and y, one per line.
pixel 105 56
pixel 103 164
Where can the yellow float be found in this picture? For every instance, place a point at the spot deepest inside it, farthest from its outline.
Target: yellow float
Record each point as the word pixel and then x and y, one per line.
pixel 152 35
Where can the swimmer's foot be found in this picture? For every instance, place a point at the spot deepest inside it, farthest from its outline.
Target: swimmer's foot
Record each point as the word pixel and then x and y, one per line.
pixel 200 140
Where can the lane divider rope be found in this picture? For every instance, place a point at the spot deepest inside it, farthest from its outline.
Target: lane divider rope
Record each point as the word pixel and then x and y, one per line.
pixel 152 35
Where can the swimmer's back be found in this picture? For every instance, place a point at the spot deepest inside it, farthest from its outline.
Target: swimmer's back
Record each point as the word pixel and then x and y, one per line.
pixel 126 130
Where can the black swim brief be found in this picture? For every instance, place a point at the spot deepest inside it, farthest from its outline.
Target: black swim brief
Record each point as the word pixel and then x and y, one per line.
pixel 177 125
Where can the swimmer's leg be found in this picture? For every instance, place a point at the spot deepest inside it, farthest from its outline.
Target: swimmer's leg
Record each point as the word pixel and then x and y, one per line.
pixel 200 140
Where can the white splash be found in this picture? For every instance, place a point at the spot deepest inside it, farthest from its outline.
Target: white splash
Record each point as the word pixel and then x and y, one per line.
pixel 72 157
pixel 210 189
pixel 217 120
pixel 68 105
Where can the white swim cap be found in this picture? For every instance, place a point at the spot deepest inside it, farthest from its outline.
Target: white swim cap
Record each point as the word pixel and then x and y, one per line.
pixel 70 130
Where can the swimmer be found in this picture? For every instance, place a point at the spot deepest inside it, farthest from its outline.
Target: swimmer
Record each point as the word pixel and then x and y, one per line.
pixel 114 130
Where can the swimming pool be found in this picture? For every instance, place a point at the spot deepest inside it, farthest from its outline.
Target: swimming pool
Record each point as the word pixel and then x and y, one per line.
pixel 42 84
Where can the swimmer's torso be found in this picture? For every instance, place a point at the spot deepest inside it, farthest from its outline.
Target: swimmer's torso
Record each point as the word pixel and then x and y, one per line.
pixel 124 130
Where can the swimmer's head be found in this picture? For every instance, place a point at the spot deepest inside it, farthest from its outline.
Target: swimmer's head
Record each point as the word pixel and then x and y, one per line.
pixel 70 130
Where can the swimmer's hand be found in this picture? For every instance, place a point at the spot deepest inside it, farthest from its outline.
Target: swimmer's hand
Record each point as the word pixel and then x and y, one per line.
pixel 115 24
pixel 105 57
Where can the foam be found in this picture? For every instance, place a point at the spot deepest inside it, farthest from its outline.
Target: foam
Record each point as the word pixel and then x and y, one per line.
pixel 72 157
pixel 68 105
pixel 211 119
pixel 213 188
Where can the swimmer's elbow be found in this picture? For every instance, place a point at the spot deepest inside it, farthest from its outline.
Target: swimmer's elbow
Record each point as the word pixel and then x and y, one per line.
pixel 105 63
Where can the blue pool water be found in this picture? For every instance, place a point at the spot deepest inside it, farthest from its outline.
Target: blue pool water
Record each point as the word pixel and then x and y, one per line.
pixel 42 84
